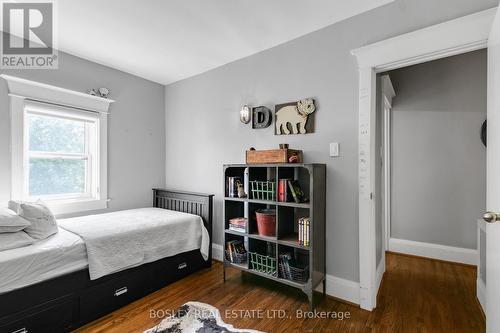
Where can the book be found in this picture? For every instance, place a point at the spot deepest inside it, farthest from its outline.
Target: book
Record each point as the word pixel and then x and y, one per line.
pixel 303 231
pixel 241 221
pixel 301 226
pixel 229 251
pixel 283 192
pixel 238 247
pixel 235 247
pixel 296 191
pixel 235 228
pixel 285 265
pixel 238 224
pixel 307 223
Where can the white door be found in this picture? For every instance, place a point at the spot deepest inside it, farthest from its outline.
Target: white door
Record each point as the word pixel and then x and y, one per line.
pixel 493 183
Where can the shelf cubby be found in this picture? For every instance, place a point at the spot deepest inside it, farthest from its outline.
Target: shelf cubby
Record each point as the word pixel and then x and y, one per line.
pixel 231 237
pixel 299 270
pixel 233 209
pixel 252 220
pixel 262 257
pixel 312 180
pixel 288 225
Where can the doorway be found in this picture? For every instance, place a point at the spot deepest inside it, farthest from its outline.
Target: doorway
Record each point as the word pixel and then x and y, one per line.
pixel 431 188
pixel 458 36
pixel 430 180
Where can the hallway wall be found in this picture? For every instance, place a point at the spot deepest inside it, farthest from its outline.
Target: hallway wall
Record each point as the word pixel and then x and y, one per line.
pixel 438 160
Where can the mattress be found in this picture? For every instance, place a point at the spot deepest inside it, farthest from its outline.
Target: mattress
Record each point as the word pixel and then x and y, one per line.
pixel 57 255
pixel 129 238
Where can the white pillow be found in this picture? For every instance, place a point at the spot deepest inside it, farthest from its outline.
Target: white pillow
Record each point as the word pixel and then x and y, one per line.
pixel 43 222
pixel 15 205
pixel 11 222
pixel 13 240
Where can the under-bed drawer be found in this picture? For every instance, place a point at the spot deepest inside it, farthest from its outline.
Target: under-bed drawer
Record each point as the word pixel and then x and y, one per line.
pixel 176 268
pixel 52 317
pixel 114 293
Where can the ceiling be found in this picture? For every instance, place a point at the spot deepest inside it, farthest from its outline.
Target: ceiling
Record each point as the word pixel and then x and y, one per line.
pixel 169 40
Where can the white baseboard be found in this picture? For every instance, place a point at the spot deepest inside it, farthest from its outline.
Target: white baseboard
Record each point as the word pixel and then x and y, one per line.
pixel 217 252
pixel 481 294
pixel 434 251
pixel 346 290
pixel 343 289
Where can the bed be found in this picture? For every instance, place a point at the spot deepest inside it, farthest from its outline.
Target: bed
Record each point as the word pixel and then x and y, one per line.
pixel 58 255
pixel 84 272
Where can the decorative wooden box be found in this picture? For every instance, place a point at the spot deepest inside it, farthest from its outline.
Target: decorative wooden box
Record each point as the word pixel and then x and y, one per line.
pixel 272 156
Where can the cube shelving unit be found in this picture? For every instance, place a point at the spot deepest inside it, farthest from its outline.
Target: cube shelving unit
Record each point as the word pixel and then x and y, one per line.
pixel 312 179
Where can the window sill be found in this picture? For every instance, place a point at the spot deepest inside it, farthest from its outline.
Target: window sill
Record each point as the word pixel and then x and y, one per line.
pixel 76 206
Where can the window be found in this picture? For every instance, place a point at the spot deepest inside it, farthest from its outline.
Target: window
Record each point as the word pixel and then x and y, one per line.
pixel 61 154
pixel 59 146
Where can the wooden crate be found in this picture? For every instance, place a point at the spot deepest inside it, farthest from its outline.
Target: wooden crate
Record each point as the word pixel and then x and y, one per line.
pixel 272 156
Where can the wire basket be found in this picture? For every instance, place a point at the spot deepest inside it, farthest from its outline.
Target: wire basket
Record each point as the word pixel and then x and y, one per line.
pixel 237 258
pixel 263 190
pixel 294 273
pixel 263 264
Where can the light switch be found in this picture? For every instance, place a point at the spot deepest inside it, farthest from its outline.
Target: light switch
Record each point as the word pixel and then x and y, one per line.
pixel 334 149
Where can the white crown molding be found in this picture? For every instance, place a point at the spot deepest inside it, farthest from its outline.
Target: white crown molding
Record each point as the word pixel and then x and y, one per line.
pixel 453 37
pixel 55 95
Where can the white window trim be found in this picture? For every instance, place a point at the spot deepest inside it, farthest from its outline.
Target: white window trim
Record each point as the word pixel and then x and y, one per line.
pixel 23 91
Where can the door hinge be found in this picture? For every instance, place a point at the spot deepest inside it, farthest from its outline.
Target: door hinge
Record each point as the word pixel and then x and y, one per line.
pixel 371 195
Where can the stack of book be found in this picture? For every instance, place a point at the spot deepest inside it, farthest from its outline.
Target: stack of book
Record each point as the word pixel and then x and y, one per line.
pixel 238 224
pixel 304 226
pixel 236 252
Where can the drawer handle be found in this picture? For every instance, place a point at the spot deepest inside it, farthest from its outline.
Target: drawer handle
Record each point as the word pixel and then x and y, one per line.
pixel 22 330
pixel 182 266
pixel 121 291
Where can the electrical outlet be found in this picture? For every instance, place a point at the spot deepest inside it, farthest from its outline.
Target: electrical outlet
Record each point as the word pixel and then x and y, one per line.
pixel 334 149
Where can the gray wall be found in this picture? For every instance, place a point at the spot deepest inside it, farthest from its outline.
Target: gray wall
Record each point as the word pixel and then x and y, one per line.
pixel 136 127
pixel 204 132
pixel 438 160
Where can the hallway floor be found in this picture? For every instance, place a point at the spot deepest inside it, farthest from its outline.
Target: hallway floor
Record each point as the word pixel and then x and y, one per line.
pixel 417 295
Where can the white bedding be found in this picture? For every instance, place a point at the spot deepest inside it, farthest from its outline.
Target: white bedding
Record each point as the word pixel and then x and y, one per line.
pixel 120 240
pixel 57 255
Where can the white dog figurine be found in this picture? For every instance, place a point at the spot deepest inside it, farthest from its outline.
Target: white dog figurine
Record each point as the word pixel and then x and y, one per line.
pixel 296 116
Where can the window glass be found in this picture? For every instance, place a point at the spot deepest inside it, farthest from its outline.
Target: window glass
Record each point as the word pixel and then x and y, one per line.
pixel 57 135
pixel 56 176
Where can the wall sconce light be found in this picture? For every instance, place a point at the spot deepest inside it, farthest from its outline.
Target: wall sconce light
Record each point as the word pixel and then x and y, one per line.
pixel 245 114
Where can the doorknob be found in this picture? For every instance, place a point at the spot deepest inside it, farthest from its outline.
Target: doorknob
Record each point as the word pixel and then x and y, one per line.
pixel 491 217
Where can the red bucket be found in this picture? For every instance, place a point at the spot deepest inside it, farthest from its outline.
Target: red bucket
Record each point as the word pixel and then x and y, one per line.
pixel 266 222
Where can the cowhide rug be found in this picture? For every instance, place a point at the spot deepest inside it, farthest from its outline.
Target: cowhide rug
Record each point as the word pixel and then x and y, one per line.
pixel 196 317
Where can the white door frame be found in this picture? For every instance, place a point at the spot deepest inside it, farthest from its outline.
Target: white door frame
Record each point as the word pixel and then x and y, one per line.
pixel 388 94
pixel 465 34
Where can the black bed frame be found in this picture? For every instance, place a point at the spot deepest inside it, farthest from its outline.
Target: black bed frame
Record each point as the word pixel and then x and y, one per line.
pixel 67 302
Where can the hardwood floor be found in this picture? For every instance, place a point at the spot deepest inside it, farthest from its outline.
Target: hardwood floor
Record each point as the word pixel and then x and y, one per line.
pixel 417 295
